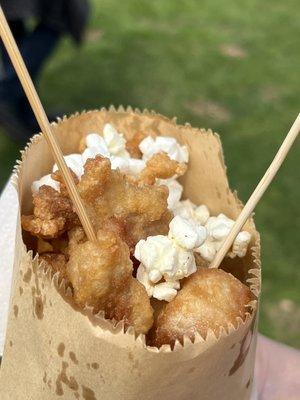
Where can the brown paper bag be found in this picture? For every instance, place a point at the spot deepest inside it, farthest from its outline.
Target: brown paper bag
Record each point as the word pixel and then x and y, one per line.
pixel 54 350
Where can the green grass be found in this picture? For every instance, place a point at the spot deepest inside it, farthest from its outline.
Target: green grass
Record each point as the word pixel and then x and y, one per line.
pixel 231 66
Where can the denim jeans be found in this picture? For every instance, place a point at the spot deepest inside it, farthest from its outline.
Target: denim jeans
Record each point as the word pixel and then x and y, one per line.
pixel 35 46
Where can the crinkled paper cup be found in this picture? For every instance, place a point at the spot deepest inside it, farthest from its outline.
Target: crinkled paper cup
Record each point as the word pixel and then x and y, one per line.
pixel 54 350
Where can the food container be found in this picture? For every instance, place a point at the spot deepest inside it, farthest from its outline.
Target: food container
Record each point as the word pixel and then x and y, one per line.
pixel 55 350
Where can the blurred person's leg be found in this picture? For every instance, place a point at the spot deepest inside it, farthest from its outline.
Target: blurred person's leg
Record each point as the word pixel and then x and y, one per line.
pixel 277 371
pixel 36 49
pixel 8 118
pixel 15 112
pixel 19 31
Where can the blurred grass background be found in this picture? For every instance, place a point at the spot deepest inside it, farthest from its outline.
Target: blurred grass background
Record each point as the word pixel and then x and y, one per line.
pixel 226 65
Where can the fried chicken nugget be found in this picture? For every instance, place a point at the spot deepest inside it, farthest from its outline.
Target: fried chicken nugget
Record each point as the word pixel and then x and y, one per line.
pixel 209 299
pixel 58 245
pixel 135 229
pixel 132 145
pixel 112 195
pixel 47 229
pixel 63 188
pixel 53 214
pixel 76 235
pixel 160 166
pixel 108 195
pixel 101 276
pixel 133 306
pixel 43 246
pixel 98 270
pixel 97 173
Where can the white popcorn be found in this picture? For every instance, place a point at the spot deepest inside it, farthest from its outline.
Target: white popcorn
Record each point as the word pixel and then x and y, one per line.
pixel 175 191
pixel 218 229
pixel 161 291
pixel 207 250
pixel 89 152
pixel 166 144
pixel 154 275
pixel 74 162
pixel 142 277
pixel 166 290
pixel 157 253
pixel 186 265
pixel 163 258
pixel 135 166
pixel 97 145
pixel 119 162
pixel 201 214
pixel 115 141
pixel 240 244
pixel 189 210
pixel 112 142
pixel 187 233
pixel 112 146
pixel 169 258
pixel 45 180
pixel 185 209
pixel 147 147
pixel 130 166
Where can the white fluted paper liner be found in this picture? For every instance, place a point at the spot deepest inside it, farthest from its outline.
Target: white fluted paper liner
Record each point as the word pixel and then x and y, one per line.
pixel 60 351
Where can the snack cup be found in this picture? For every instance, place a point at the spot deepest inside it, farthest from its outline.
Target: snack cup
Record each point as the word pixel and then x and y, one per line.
pixel 55 350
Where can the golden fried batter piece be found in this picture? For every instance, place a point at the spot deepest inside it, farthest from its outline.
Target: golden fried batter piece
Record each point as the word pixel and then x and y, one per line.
pixel 133 306
pixel 97 270
pixel 200 261
pixel 101 276
pixel 57 177
pixel 160 166
pixel 108 196
pixel 43 228
pixel 111 194
pixel 76 235
pixel 59 245
pixel 57 262
pixel 97 173
pixel 209 299
pixel 160 227
pixel 116 226
pixel 53 214
pixel 132 145
pixel 134 230
pixel 43 246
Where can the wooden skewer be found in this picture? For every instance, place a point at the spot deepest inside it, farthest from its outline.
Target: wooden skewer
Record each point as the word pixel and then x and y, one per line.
pixel 258 192
pixel 43 122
